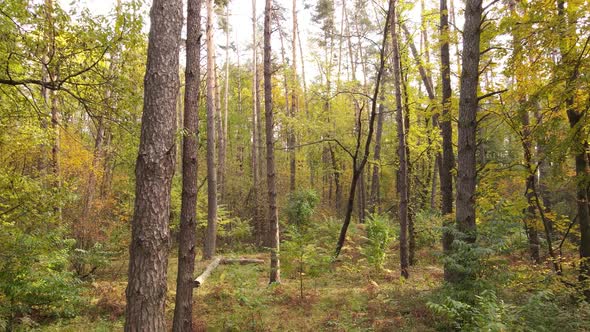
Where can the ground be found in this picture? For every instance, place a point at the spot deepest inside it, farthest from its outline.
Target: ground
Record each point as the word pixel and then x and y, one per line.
pixel 349 295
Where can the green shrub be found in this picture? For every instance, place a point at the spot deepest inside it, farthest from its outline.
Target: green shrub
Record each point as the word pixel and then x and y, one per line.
pixel 35 282
pixel 379 236
pixel 488 313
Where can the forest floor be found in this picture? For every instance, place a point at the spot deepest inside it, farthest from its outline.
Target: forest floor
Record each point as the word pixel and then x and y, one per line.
pixel 349 296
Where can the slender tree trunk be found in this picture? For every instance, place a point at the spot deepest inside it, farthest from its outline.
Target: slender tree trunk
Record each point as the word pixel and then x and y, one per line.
pixel 294 98
pixel 468 105
pixel 273 216
pixel 148 258
pixel 337 183
pixel 258 229
pixel 219 142
pixel 211 234
pixel 401 150
pixel 188 211
pixel 448 156
pixel 358 165
pixel 530 216
pixel 374 200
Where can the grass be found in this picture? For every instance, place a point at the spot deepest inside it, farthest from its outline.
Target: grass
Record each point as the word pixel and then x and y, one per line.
pixel 348 296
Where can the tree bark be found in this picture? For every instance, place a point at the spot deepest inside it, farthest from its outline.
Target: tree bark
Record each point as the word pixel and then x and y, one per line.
pixel 273 216
pixel 294 98
pixel 211 234
pixel 448 156
pixel 468 105
pixel 401 151
pixel 183 308
pixel 258 229
pixel 155 167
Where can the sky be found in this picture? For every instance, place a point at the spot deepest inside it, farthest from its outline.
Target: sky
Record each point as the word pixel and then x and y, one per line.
pixel 241 26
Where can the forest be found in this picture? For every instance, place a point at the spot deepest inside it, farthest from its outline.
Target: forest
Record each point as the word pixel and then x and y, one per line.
pixel 294 165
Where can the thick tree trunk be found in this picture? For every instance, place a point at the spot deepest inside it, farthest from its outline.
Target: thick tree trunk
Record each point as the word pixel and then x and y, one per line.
pixel 273 216
pixel 148 258
pixel 188 211
pixel 468 105
pixel 211 234
pixel 401 151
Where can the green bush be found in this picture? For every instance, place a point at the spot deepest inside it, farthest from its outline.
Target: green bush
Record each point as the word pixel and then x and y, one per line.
pixel 488 313
pixel 35 282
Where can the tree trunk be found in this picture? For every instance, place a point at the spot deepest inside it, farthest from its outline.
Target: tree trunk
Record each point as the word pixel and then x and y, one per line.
pixel 273 216
pixel 258 229
pixel 580 147
pixel 219 142
pixel 448 156
pixel 211 234
pixel 183 308
pixel 148 258
pixel 374 199
pixel 294 98
pixel 401 151
pixel 468 105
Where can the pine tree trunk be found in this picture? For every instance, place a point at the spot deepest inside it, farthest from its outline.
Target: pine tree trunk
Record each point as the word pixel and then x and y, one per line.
pixel 448 156
pixel 468 105
pixel 401 150
pixel 211 233
pixel 148 258
pixel 258 229
pixel 183 308
pixel 273 216
pixel 294 110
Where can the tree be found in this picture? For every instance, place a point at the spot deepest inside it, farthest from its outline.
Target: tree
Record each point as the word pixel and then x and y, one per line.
pixel 273 214
pixel 448 157
pixel 402 178
pixel 358 164
pixel 154 170
pixel 188 211
pixel 468 106
pixel 211 235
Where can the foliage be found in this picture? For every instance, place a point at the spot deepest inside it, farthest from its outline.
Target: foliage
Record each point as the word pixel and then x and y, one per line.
pixel 35 280
pixel 488 313
pixel 379 236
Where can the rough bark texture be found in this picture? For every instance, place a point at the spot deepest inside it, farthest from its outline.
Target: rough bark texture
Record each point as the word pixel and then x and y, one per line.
pixel 148 261
pixel 273 215
pixel 211 234
pixel 448 157
pixel 468 104
pixel 401 152
pixel 188 212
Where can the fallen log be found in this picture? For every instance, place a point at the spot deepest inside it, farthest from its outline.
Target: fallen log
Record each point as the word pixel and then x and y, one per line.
pixel 201 279
pixel 220 260
pixel 242 261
